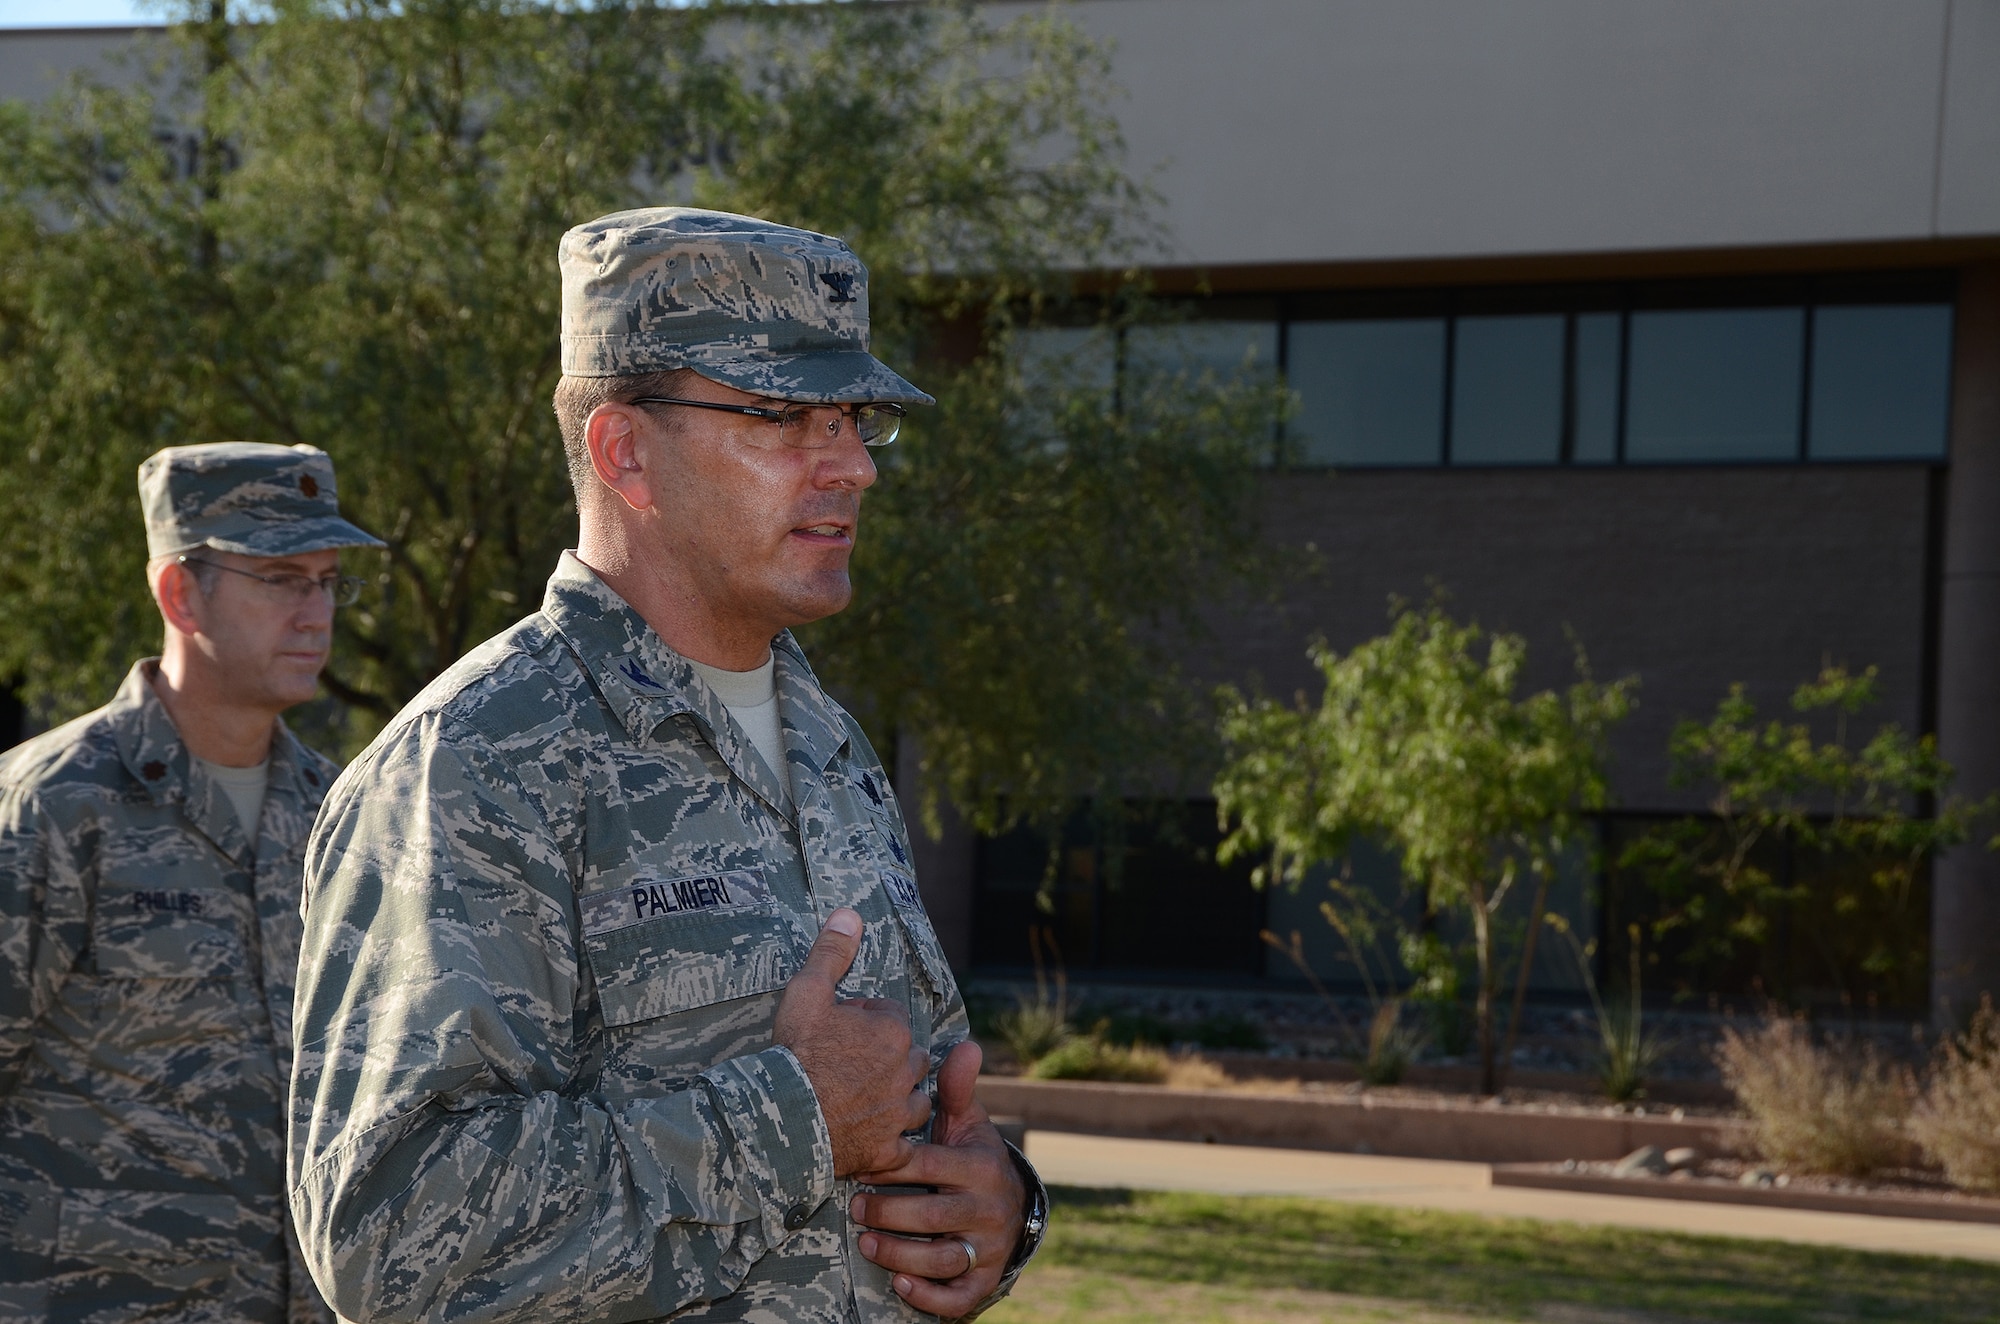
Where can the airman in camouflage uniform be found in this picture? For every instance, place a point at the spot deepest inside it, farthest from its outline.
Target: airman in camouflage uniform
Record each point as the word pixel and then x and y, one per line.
pixel 566 921
pixel 149 937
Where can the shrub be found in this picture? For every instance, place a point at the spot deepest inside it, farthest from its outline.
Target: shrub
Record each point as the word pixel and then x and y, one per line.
pixel 1627 1051
pixel 1958 1119
pixel 1392 1045
pixel 1091 1057
pixel 1812 1109
pixel 1033 1029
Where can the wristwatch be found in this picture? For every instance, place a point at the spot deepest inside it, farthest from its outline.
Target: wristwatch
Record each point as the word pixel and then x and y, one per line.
pixel 1035 1219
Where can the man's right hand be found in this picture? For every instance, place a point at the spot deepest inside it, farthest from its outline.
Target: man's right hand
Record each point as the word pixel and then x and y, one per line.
pixel 857 1054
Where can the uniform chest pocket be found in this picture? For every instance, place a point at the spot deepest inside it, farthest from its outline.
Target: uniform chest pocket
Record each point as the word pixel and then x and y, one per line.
pixel 658 946
pixel 908 904
pixel 154 928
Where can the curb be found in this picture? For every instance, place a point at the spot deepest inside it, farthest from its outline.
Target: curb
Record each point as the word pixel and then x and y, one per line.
pixel 1359 1125
pixel 1460 1079
pixel 1943 1208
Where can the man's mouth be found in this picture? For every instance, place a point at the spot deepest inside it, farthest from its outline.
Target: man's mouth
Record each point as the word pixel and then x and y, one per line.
pixel 838 531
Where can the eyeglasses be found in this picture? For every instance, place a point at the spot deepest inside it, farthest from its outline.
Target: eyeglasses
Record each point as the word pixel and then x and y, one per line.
pixel 340 590
pixel 876 424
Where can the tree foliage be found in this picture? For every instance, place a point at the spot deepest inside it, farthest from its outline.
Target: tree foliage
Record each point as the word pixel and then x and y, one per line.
pixel 337 224
pixel 1867 817
pixel 1420 744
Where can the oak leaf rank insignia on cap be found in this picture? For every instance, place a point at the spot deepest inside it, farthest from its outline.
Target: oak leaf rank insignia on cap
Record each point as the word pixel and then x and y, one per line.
pixel 247 497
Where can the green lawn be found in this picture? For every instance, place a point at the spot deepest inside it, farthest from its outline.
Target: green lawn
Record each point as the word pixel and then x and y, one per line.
pixel 1116 1256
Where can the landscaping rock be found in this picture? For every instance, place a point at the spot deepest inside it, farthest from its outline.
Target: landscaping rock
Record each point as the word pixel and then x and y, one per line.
pixel 1762 1177
pixel 1683 1157
pixel 1645 1161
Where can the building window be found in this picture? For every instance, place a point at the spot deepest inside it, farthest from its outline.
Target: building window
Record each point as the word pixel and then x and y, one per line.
pixel 1714 384
pixel 1595 373
pixel 1507 390
pixel 1881 382
pixel 1220 349
pixel 1762 371
pixel 1370 391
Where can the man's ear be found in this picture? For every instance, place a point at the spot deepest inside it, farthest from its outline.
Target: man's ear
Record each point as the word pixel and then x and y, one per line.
pixel 613 434
pixel 179 595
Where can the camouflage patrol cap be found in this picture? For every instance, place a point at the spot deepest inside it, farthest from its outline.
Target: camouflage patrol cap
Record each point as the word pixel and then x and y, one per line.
pixel 763 308
pixel 246 497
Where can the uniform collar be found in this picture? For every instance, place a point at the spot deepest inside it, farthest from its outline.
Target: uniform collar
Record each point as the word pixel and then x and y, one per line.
pixel 151 748
pixel 645 683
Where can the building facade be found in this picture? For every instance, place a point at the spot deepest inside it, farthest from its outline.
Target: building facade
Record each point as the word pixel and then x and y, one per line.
pixel 1674 329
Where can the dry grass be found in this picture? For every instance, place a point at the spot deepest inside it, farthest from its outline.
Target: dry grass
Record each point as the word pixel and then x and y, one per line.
pixel 1813 1109
pixel 1190 1072
pixel 1089 1057
pixel 1958 1119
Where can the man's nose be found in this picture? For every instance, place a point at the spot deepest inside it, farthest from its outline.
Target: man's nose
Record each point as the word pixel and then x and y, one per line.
pixel 846 462
pixel 316 611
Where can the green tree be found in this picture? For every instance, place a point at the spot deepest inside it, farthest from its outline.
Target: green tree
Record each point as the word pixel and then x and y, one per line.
pixel 1865 817
pixel 337 224
pixel 1420 744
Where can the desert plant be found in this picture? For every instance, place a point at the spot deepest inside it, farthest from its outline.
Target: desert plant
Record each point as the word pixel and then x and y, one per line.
pixel 1627 1051
pixel 1436 988
pixel 1392 1045
pixel 1420 743
pixel 1092 1057
pixel 1362 922
pixel 1957 1121
pixel 1812 1108
pixel 1871 814
pixel 1034 1028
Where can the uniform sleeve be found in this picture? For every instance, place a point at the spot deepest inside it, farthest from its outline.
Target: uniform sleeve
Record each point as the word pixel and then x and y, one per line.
pixel 43 923
pixel 953 1028
pixel 447 1160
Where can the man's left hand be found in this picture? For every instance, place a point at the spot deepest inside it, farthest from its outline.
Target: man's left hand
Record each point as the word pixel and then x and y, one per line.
pixel 979 1198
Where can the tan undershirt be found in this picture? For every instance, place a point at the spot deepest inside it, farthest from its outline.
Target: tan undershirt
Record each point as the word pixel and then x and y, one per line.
pixel 752 699
pixel 245 788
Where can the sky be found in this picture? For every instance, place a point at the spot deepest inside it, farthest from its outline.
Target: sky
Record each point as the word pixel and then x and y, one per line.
pixel 74 13
pixel 79 13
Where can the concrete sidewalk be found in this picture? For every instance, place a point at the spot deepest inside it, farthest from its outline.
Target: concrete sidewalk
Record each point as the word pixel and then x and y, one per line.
pixel 1160 1165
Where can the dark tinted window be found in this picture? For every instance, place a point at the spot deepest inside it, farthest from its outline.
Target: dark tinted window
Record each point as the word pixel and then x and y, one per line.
pixel 1714 384
pixel 1596 389
pixel 1881 382
pixel 1225 351
pixel 1370 392
pixel 1506 391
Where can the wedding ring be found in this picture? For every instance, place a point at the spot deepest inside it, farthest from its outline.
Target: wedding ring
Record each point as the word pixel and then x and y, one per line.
pixel 971 1255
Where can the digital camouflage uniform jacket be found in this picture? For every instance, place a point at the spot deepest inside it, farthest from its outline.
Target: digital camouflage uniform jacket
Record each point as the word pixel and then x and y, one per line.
pixel 146 962
pixel 551 911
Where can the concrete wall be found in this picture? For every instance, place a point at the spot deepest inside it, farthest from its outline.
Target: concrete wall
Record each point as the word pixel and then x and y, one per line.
pixel 1358 130
pixel 35 62
pixel 1689 577
pixel 1283 131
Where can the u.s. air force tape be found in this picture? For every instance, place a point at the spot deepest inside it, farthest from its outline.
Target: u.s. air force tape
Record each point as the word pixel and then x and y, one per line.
pixel 644 899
